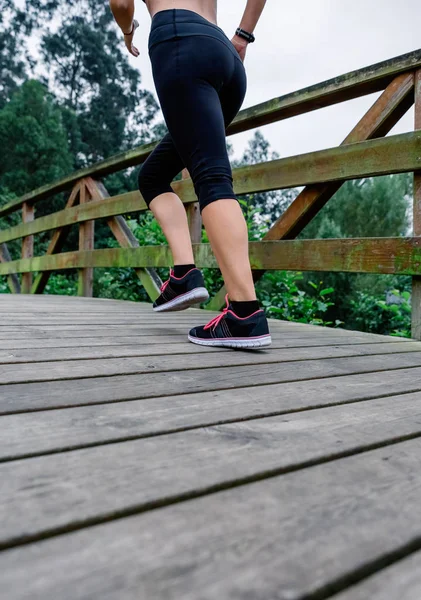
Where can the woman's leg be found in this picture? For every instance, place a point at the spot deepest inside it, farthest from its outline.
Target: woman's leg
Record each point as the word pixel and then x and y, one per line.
pixel 227 232
pixel 155 178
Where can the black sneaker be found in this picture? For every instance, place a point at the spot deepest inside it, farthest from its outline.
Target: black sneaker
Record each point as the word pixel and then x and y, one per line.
pixel 229 331
pixel 178 293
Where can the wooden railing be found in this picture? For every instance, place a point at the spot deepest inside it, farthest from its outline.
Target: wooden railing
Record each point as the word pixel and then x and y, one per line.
pixel 365 152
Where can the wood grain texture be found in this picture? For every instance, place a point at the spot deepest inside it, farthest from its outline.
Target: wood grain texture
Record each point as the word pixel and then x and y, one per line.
pixel 86 244
pixel 146 363
pixel 20 397
pixel 402 581
pixel 367 255
pixel 394 154
pixel 351 85
pixel 28 215
pixel 303 352
pixel 378 121
pixel 125 237
pixel 57 430
pixel 292 536
pixel 12 280
pixel 56 244
pixel 416 281
pixel 104 481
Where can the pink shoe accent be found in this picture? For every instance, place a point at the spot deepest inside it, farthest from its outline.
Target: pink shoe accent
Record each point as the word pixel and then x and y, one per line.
pixel 215 321
pixel 180 278
pixel 172 276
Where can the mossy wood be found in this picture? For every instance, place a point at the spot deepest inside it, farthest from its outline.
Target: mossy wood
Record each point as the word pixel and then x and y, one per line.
pixel 395 154
pixel 346 87
pixel 368 255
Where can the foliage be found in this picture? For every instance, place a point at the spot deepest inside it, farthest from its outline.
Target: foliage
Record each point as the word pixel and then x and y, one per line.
pixel 266 206
pixel 33 141
pixel 373 207
pixel 373 314
pixel 4 288
pixel 64 285
pixel 85 61
pixel 12 55
pixel 281 297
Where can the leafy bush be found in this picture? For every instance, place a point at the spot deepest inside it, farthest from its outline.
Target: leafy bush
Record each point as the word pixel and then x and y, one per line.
pixel 4 288
pixel 64 285
pixel 374 315
pixel 281 297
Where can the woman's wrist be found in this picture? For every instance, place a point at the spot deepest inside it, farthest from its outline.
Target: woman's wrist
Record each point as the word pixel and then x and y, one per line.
pixel 131 30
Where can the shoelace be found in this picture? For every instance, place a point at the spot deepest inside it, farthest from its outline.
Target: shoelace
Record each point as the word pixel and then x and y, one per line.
pixel 216 320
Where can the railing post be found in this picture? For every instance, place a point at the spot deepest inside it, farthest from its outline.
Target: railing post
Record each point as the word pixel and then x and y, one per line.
pixel 12 280
pixel 27 246
pixel 416 281
pixel 193 215
pixel 86 242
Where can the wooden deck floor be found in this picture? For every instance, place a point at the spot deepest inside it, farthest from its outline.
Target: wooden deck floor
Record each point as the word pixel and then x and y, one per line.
pixel 135 465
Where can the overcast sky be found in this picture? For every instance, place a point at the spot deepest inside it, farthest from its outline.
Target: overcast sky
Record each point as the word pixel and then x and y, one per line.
pixel 299 44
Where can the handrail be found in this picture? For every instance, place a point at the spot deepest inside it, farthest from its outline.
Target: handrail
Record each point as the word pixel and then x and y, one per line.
pixel 395 154
pixel 365 152
pixel 339 89
pixel 399 256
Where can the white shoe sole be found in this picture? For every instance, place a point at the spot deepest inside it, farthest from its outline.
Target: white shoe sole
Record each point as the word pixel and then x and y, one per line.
pixel 184 301
pixel 260 342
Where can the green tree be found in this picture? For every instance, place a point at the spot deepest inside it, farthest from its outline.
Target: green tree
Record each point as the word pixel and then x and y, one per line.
pixel 105 108
pixel 33 141
pixel 12 54
pixel 266 206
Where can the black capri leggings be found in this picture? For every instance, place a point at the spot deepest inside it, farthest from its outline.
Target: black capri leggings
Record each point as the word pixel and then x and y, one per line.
pixel 201 83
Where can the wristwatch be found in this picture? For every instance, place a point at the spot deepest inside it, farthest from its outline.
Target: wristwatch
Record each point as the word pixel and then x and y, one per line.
pixel 245 35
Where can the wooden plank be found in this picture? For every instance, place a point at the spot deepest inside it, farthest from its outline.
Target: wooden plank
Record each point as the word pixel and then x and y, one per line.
pixel 416 281
pixel 21 397
pixel 12 280
pixel 50 431
pixel 103 367
pixel 367 255
pixel 97 483
pixel 378 121
pixel 28 214
pixel 394 154
pixel 300 535
pixel 402 580
pixel 125 237
pixel 86 243
pixel 351 85
pixel 8 357
pixel 278 341
pixel 56 244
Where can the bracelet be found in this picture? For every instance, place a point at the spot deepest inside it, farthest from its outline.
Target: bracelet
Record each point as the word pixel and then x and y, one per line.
pixel 245 35
pixel 131 32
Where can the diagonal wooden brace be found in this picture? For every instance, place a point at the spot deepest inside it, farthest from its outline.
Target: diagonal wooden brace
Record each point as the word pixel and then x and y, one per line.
pixel 148 277
pixel 56 244
pixel 388 109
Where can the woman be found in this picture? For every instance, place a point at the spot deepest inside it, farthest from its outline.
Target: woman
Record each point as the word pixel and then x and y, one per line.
pixel 201 83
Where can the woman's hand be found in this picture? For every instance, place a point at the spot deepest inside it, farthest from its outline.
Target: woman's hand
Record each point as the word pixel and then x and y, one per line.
pixel 240 44
pixel 128 39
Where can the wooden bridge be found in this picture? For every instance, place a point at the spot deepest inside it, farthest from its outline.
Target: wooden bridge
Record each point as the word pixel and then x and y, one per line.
pixel 136 465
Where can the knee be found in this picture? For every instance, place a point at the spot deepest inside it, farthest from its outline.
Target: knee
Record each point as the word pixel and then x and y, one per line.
pixel 214 186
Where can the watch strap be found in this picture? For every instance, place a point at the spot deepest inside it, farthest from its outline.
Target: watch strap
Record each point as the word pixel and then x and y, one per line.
pixel 246 35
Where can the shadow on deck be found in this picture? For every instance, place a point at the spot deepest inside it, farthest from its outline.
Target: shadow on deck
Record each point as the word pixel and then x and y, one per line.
pixel 137 465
